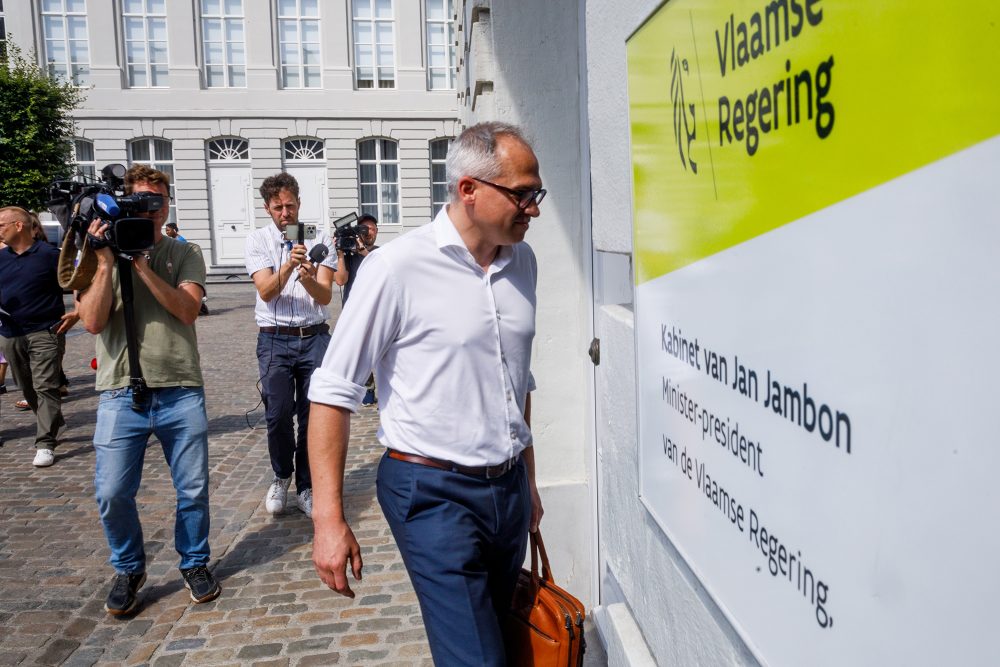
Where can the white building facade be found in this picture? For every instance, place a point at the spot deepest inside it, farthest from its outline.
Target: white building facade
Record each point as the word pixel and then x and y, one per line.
pixel 356 98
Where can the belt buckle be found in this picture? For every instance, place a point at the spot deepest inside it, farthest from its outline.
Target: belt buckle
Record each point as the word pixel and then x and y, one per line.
pixel 302 332
pixel 502 469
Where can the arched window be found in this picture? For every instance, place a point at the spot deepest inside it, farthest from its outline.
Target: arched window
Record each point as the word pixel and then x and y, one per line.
pixel 83 156
pixel 228 149
pixel 303 149
pixel 158 154
pixel 439 182
pixel 378 179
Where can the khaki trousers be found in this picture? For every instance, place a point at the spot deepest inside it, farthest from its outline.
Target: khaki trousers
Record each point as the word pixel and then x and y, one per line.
pixel 36 363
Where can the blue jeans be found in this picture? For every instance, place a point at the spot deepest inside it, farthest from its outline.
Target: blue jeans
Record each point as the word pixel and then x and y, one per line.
pixel 286 363
pixel 175 415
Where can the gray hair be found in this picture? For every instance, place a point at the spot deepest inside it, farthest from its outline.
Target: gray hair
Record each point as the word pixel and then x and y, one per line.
pixel 473 153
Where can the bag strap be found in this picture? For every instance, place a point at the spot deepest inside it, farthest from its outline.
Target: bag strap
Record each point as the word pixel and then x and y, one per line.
pixel 538 547
pixel 136 381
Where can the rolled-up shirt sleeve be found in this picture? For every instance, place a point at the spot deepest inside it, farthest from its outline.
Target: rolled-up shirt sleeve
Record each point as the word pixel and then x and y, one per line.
pixel 367 326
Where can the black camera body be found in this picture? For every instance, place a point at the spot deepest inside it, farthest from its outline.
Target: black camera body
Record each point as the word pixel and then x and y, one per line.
pixel 77 204
pixel 346 233
pixel 345 239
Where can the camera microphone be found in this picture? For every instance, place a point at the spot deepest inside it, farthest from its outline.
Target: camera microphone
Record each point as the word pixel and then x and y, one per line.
pixel 318 253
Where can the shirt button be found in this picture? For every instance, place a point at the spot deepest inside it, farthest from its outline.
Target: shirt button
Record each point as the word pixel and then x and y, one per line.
pixel 498 317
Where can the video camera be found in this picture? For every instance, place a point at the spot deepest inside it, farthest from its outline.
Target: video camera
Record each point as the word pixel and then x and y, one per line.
pixel 77 204
pixel 346 233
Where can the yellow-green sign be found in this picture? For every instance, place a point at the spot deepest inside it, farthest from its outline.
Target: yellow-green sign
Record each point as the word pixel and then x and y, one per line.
pixel 746 116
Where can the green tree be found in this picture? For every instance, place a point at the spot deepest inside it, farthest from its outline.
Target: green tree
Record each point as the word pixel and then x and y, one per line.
pixel 36 130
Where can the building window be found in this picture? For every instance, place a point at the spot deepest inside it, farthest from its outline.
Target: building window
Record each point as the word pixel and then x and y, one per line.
pixel 145 24
pixel 83 156
pixel 228 150
pixel 158 154
pixel 439 182
pixel 374 46
pixel 303 149
pixel 223 42
pixel 378 179
pixel 64 23
pixel 441 64
pixel 298 40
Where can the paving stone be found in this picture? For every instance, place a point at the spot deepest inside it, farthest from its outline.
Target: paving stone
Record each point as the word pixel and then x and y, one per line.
pixel 57 651
pixel 313 644
pixel 259 651
pixel 318 660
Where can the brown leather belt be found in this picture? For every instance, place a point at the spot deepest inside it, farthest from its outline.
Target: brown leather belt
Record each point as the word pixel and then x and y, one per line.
pixel 298 332
pixel 487 472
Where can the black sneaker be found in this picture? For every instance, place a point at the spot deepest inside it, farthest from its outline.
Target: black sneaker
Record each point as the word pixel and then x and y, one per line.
pixel 122 599
pixel 201 583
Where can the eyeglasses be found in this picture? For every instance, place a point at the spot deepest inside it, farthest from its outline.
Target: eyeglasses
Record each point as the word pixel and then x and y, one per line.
pixel 523 198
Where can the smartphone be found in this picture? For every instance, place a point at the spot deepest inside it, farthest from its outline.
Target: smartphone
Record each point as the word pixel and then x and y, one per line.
pixel 292 232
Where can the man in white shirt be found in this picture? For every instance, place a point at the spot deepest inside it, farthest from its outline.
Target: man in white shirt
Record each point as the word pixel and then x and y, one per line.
pixel 446 317
pixel 292 295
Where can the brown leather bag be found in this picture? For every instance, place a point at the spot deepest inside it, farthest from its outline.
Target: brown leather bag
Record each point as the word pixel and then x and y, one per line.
pixel 545 623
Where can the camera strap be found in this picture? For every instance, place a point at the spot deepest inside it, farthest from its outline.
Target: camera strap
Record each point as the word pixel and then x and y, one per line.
pixel 140 393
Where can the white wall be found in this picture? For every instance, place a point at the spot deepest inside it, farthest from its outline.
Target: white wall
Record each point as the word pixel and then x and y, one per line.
pixel 525 57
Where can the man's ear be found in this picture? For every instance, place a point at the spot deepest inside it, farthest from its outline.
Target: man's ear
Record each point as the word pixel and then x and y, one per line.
pixel 466 188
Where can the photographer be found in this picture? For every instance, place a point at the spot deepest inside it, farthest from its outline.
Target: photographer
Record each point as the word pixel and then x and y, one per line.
pixel 294 287
pixel 169 282
pixel 349 263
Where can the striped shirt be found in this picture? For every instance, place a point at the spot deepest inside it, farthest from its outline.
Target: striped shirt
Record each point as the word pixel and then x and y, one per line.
pixel 267 248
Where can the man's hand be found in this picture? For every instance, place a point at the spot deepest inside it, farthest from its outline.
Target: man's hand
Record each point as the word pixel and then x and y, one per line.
pixel 68 321
pixel 307 271
pixel 97 229
pixel 298 256
pixel 536 508
pixel 334 546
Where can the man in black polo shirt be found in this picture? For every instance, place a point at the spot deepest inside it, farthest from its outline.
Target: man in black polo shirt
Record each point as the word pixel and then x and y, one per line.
pixel 348 265
pixel 33 325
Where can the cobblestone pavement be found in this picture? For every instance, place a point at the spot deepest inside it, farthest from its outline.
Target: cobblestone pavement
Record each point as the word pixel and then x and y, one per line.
pixel 273 609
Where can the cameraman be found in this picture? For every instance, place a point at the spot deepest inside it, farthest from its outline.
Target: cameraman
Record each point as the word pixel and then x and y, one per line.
pixel 349 263
pixel 169 283
pixel 292 295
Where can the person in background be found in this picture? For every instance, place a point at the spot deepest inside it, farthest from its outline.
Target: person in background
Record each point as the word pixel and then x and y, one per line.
pixel 33 330
pixel 170 229
pixel 168 284
pixel 292 296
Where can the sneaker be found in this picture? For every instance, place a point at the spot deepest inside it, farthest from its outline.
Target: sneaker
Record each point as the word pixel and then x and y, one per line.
pixel 277 495
pixel 369 398
pixel 201 583
pixel 22 405
pixel 43 458
pixel 305 499
pixel 122 598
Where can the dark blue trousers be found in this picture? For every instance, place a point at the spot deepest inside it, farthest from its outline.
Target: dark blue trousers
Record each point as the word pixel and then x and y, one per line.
pixel 463 541
pixel 286 363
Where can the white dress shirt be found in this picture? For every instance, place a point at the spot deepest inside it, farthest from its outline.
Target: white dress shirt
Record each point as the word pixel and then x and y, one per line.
pixel 267 248
pixel 450 345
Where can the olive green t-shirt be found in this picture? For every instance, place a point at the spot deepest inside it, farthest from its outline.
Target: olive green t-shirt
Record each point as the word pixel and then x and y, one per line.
pixel 168 349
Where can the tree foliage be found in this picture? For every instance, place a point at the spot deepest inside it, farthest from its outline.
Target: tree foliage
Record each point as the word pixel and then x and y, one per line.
pixel 36 130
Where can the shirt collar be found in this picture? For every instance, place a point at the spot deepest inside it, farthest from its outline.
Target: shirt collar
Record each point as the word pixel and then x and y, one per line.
pixel 447 236
pixel 275 233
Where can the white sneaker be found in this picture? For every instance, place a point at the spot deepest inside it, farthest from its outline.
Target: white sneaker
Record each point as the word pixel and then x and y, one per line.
pixel 305 499
pixel 43 458
pixel 277 495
